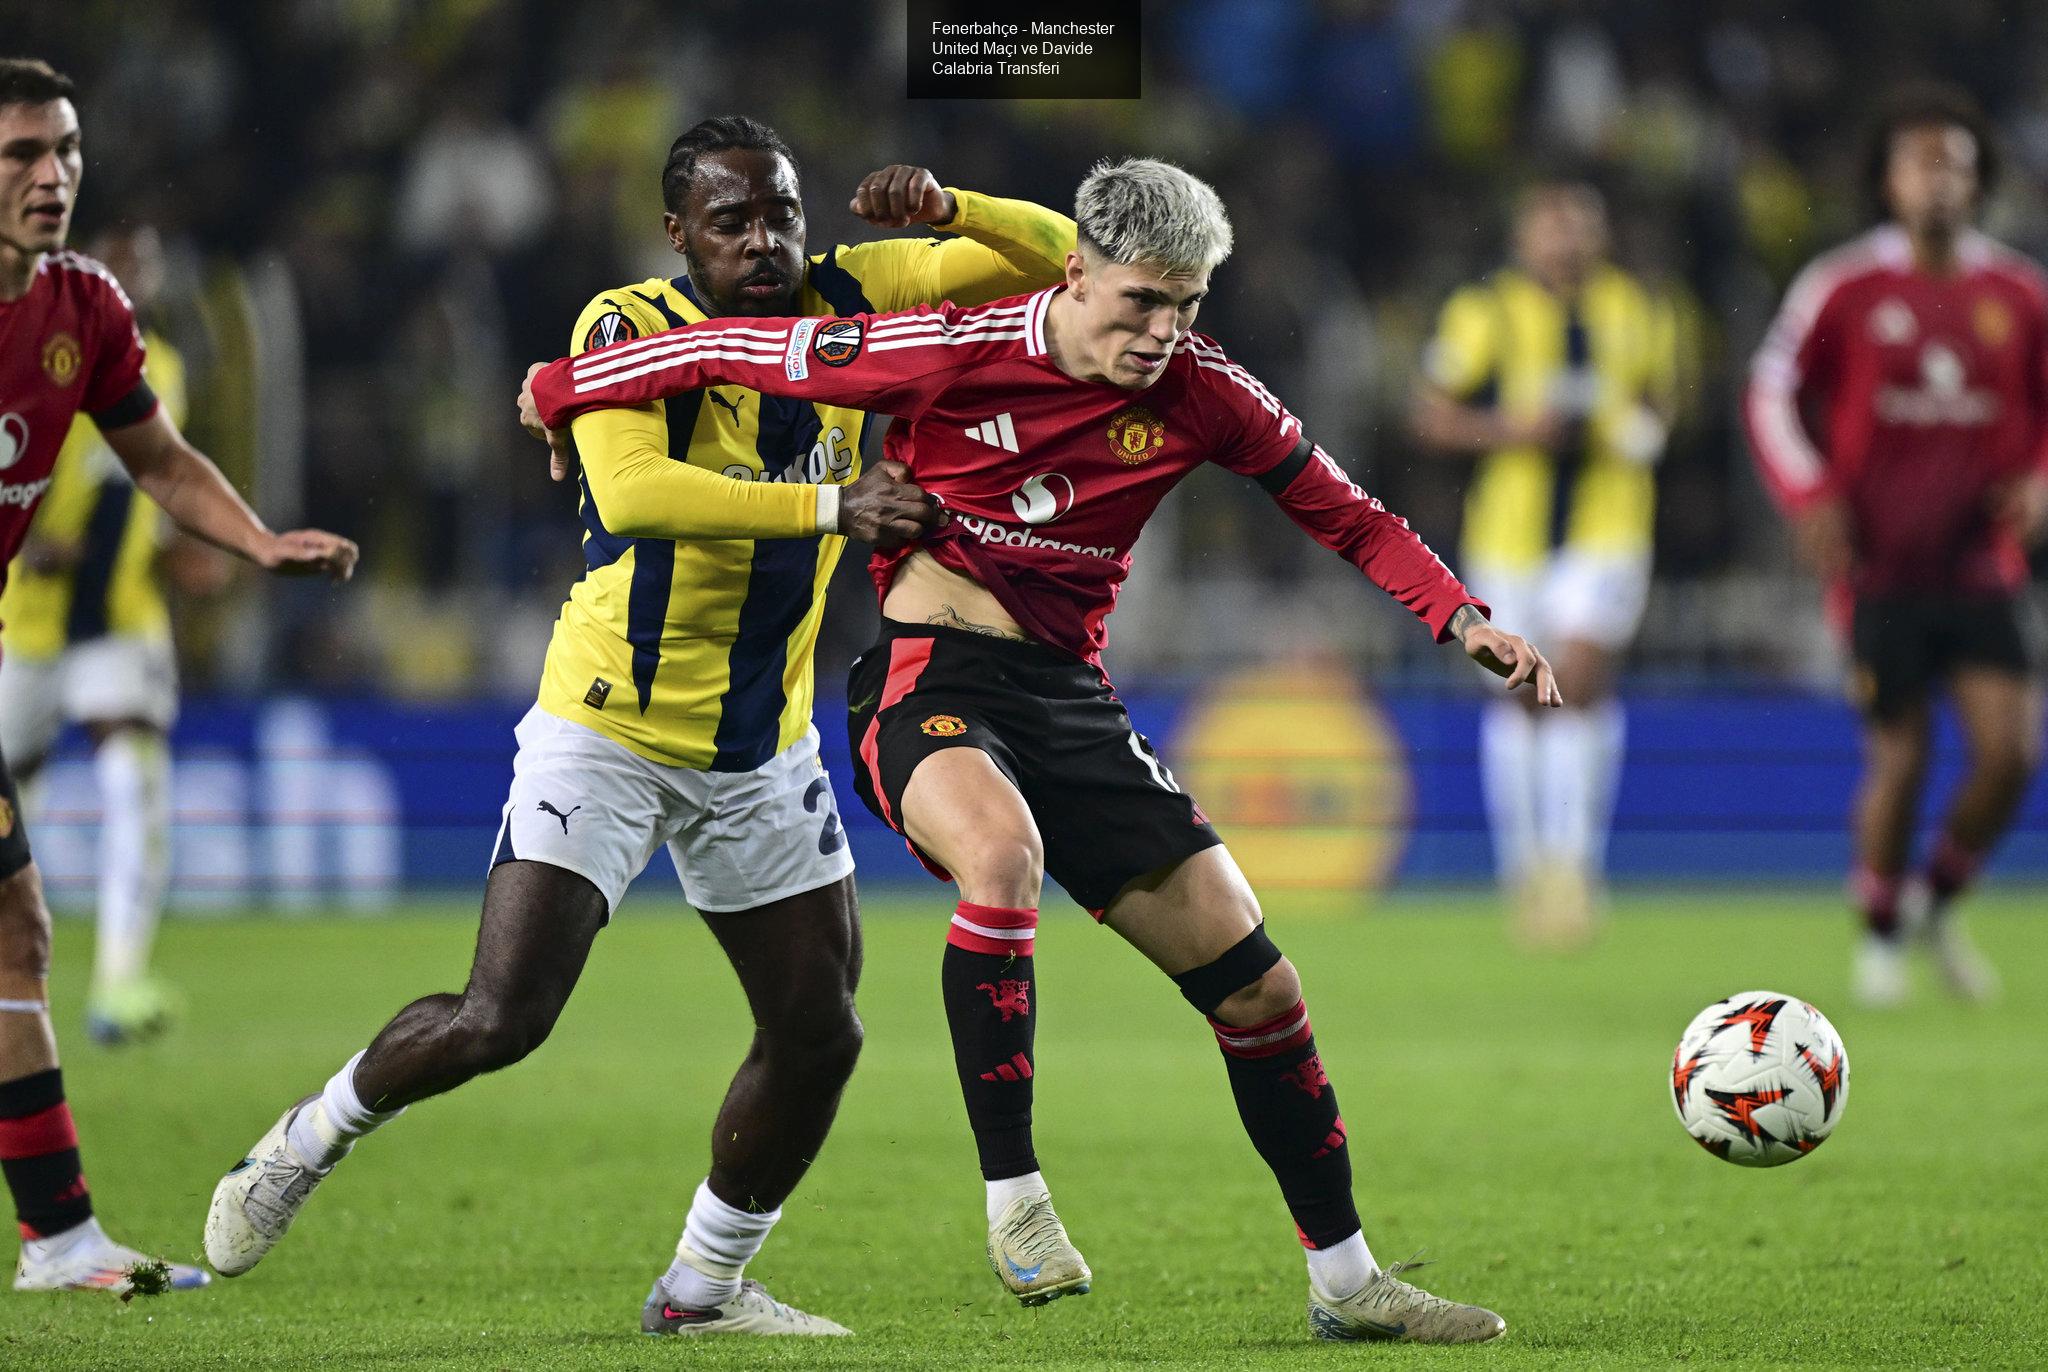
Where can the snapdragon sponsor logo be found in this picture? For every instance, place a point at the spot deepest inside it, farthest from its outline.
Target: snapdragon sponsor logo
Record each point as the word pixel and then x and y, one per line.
pixel 23 493
pixel 1002 535
pixel 1944 395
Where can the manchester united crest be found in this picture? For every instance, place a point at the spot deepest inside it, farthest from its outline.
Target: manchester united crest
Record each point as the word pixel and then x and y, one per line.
pixel 60 359
pixel 944 726
pixel 1136 435
pixel 1992 319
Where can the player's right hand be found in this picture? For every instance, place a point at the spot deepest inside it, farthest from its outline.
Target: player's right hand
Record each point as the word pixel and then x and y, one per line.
pixel 885 508
pixel 1823 539
pixel 309 552
pixel 561 452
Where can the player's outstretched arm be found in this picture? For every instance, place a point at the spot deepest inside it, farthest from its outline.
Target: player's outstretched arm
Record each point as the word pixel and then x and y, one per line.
pixel 890 362
pixel 1505 654
pixel 184 482
pixel 999 247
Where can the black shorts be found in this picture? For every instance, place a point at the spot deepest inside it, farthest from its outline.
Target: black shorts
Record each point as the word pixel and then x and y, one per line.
pixel 1906 645
pixel 14 854
pixel 1106 807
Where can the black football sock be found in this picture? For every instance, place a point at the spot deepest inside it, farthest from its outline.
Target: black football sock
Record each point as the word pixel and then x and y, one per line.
pixel 39 1154
pixel 1290 1110
pixel 986 979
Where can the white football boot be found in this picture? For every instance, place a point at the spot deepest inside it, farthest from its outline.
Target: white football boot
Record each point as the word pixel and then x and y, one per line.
pixel 258 1199
pixel 751 1311
pixel 84 1258
pixel 1967 972
pixel 1879 975
pixel 1029 1249
pixel 1389 1309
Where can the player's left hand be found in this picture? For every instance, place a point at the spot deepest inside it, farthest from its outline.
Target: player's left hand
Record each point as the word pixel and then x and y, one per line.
pixel 1514 657
pixel 561 452
pixel 897 197
pixel 309 552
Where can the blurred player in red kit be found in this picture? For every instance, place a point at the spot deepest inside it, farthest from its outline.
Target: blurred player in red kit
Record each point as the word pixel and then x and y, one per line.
pixel 69 346
pixel 1898 411
pixel 984 728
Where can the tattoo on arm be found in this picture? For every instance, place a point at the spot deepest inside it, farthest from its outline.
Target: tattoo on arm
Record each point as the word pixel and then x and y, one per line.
pixel 1464 620
pixel 949 617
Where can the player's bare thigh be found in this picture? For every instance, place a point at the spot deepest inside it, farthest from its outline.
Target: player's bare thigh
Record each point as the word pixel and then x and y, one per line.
pixel 1188 915
pixel 2000 712
pixel 961 810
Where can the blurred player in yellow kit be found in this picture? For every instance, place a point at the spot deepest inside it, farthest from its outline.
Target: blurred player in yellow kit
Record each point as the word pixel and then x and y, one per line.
pixel 88 640
pixel 675 709
pixel 1557 371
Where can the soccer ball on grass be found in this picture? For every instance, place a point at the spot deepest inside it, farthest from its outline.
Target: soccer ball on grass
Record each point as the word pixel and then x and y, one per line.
pixel 1760 1079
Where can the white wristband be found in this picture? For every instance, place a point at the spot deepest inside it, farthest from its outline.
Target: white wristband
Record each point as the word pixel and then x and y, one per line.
pixel 828 509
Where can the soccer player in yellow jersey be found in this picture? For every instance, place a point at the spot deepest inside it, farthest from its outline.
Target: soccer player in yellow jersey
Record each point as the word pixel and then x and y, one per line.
pixel 1556 371
pixel 675 708
pixel 88 638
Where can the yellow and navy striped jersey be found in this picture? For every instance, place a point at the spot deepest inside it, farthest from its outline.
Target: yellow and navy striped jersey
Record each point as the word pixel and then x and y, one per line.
pixel 1508 342
pixel 110 531
pixel 690 637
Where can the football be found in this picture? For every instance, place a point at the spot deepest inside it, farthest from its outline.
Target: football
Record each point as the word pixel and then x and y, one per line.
pixel 1760 1079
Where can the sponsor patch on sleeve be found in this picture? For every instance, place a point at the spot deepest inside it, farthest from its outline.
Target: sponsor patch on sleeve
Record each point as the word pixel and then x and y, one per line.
pixel 796 357
pixel 608 328
pixel 838 342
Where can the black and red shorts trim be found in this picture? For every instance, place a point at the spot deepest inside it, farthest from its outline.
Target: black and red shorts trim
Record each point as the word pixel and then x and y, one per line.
pixel 1108 810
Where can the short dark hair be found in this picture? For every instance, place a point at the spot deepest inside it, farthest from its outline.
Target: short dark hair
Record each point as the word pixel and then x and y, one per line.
pixel 721 133
pixel 1920 105
pixel 31 81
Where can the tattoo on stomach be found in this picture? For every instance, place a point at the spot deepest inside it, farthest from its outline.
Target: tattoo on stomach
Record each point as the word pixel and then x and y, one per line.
pixel 950 618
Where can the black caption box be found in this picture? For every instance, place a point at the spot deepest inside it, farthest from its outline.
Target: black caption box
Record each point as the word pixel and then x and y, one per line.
pixel 1023 49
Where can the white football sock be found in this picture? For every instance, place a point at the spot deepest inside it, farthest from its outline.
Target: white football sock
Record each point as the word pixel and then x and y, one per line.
pixel 1002 1194
pixel 134 771
pixel 1507 773
pixel 718 1241
pixel 323 1132
pixel 1342 1269
pixel 1579 762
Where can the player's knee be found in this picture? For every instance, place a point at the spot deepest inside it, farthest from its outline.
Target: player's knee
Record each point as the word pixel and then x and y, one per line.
pixel 1277 991
pixel 24 926
pixel 1249 983
pixel 1004 870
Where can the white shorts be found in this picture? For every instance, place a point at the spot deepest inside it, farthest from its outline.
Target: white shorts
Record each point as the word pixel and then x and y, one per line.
pixel 739 839
pixel 1594 597
pixel 113 677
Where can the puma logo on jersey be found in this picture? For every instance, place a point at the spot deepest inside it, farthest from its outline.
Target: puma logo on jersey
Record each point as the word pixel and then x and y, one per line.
pixel 732 405
pixel 544 805
pixel 999 432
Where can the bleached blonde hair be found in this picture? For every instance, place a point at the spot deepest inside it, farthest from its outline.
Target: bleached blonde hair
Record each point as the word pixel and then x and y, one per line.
pixel 1142 210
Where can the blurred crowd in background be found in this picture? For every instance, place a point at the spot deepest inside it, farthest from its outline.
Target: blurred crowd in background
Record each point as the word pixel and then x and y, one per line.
pixel 378 211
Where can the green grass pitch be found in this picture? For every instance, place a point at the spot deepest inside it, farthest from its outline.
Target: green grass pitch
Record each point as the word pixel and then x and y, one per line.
pixel 1509 1114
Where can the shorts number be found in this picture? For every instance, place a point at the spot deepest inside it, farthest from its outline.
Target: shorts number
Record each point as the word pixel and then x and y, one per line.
pixel 832 837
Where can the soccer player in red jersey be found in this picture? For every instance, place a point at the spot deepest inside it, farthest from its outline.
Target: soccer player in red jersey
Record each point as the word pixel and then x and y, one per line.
pixel 1050 426
pixel 1898 411
pixel 69 345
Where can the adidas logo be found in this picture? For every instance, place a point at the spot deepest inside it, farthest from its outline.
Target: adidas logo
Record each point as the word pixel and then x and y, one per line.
pixel 997 433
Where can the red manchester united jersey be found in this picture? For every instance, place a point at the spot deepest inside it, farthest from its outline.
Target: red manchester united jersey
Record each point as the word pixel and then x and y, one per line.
pixel 1914 398
pixel 1049 480
pixel 68 346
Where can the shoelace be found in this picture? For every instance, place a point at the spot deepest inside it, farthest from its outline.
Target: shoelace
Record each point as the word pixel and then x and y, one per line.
pixel 274 1202
pixel 1390 1278
pixel 1039 1234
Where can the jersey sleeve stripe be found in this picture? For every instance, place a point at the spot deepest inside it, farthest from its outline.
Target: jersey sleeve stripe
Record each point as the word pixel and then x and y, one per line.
pixel 608 357
pixel 667 364
pixel 676 348
pixel 949 340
